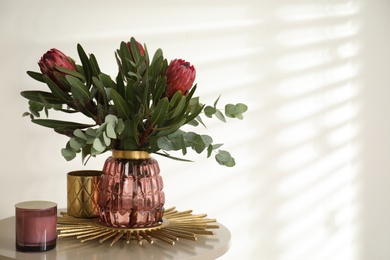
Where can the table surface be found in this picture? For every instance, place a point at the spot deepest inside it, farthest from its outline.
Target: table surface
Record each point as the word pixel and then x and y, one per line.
pixel 206 247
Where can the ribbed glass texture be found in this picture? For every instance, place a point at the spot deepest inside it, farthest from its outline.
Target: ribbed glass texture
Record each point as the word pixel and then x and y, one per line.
pixel 131 193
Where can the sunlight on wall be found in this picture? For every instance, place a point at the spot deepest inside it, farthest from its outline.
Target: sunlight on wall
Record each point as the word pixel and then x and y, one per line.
pixel 319 215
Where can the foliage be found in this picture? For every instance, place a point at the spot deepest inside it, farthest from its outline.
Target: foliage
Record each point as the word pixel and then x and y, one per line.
pixel 131 112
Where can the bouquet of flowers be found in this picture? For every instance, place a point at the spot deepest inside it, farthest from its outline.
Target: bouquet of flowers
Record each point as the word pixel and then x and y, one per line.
pixel 143 109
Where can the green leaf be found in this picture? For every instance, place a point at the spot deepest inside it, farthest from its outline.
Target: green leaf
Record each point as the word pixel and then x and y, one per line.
pixel 68 154
pixel 86 65
pixel 209 150
pixel 80 134
pixel 82 90
pixel 106 139
pixel 159 89
pixel 241 108
pixel 136 75
pixel 75 145
pixel 135 50
pixel 224 158
pixel 91 135
pixel 107 81
pixel 175 99
pixel 174 141
pixel 207 140
pixel 159 112
pixel 120 104
pixel 35 96
pixel 58 123
pixel 94 65
pixel 81 96
pixel 195 141
pixel 220 116
pixel 59 93
pixel 194 114
pixel 125 58
pixel 216 101
pixel 172 157
pixel 179 109
pixel 165 143
pixel 35 108
pixel 111 119
pixel 209 111
pixel 235 111
pixel 130 133
pixel 120 126
pixel 35 75
pixel 157 55
pixel 216 146
pixel 71 72
pixel 86 151
pixel 45 103
pixel 192 92
pixel 98 145
pixel 110 131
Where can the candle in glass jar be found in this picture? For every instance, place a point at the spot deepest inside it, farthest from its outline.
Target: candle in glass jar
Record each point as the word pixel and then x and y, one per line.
pixel 35 226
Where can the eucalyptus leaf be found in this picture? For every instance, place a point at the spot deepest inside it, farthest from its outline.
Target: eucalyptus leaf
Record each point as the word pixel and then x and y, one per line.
pixel 241 108
pixel 98 145
pixel 165 143
pixel 220 116
pixel 68 154
pixel 75 145
pixel 224 158
pixel 106 139
pixel 120 126
pixel 80 134
pixel 111 120
pixel 131 112
pixel 110 131
pixel 209 111
pixel 216 101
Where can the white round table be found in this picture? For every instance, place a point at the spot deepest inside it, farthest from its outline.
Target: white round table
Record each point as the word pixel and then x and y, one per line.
pixel 206 247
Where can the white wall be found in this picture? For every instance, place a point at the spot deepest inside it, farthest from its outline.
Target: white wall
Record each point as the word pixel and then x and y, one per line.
pixel 311 180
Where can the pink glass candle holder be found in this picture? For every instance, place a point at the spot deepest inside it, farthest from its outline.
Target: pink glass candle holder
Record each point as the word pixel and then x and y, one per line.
pixel 35 226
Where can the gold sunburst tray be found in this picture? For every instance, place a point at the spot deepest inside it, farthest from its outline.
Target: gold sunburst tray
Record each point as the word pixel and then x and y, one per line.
pixel 175 225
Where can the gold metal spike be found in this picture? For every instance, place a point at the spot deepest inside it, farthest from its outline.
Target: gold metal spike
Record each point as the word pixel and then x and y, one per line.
pixel 175 225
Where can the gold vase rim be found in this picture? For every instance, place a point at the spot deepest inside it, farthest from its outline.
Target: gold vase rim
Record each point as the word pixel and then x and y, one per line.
pixel 85 173
pixel 134 155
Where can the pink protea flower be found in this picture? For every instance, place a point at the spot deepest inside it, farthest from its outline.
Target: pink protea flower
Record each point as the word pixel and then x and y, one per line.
pixel 52 59
pixel 140 47
pixel 180 77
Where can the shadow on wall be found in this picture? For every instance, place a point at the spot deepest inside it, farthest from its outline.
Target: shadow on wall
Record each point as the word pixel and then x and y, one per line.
pixel 297 67
pixel 308 204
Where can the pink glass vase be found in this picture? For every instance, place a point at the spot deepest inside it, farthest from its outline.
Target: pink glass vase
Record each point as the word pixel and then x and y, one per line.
pixel 131 191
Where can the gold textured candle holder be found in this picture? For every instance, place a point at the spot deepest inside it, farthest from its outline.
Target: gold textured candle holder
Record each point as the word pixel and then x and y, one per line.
pixel 176 225
pixel 83 188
